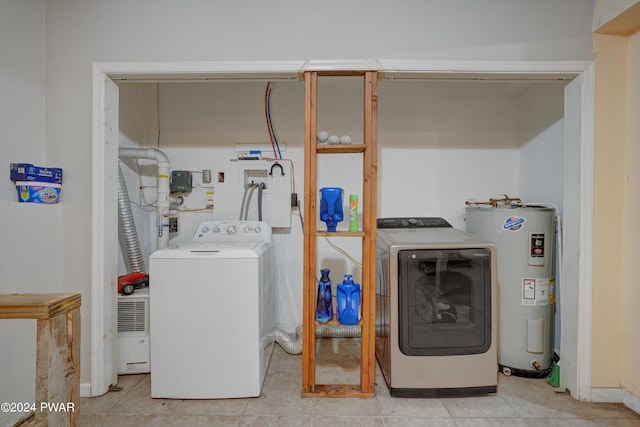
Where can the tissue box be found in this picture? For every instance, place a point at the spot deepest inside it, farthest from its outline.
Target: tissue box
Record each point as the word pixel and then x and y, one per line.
pixel 29 172
pixel 38 192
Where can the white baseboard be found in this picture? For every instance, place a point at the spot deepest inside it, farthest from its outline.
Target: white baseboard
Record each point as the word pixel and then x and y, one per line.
pixel 630 401
pixel 616 395
pixel 606 395
pixel 85 390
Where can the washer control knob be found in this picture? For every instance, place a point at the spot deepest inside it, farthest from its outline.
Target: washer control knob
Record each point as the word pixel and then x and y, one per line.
pixel 258 229
pixel 205 229
pixel 231 229
pixel 216 229
pixel 247 229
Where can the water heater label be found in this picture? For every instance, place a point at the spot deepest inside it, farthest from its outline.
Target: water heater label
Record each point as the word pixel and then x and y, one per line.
pixel 513 223
pixel 536 249
pixel 535 291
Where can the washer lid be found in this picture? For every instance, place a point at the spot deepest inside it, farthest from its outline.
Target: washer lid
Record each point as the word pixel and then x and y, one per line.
pixel 214 250
pixel 219 245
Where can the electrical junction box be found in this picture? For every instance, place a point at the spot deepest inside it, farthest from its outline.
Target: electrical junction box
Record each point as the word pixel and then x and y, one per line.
pixel 173 222
pixel 245 180
pixel 181 182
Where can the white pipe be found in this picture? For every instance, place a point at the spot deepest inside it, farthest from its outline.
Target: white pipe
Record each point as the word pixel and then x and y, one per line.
pixel 162 205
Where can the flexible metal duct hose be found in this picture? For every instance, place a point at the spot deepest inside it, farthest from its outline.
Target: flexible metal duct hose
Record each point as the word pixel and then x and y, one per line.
pixel 337 331
pixel 293 344
pixel 290 344
pixel 127 229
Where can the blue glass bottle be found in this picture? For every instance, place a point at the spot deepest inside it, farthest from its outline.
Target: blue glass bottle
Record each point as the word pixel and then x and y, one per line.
pixel 348 294
pixel 324 311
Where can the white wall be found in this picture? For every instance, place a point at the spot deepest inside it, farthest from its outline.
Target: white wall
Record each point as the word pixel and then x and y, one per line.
pixel 80 32
pixel 30 258
pixel 22 88
pixel 443 143
pixel 541 133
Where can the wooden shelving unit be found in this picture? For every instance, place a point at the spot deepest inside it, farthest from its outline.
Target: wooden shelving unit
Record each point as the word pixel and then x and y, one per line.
pixel 368 150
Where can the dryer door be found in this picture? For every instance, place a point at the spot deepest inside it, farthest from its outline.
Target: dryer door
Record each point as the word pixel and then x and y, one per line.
pixel 444 301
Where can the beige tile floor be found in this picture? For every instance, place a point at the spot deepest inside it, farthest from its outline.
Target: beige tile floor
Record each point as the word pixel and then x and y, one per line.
pixel 519 402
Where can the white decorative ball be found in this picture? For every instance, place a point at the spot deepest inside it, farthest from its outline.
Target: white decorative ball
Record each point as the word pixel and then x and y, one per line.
pixel 345 139
pixel 333 139
pixel 323 137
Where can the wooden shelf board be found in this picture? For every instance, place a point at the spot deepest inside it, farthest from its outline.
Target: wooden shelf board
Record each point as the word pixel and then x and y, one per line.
pixel 36 306
pixel 337 390
pixel 340 148
pixel 335 322
pixel 340 233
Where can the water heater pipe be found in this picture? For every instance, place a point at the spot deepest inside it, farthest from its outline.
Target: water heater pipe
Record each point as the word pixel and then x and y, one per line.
pixel 162 205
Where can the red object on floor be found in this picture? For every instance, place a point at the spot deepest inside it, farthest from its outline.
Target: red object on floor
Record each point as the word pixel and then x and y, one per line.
pixel 130 282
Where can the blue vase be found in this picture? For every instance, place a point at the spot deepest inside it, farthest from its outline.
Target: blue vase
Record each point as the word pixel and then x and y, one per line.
pixel 348 294
pixel 324 311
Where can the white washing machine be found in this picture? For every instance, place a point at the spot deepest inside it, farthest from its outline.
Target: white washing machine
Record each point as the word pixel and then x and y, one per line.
pixel 212 305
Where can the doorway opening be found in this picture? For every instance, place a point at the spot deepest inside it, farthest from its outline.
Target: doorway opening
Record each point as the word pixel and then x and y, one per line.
pixel 577 183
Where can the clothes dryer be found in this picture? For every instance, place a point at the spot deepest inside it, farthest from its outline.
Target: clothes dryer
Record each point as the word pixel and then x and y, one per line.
pixel 436 328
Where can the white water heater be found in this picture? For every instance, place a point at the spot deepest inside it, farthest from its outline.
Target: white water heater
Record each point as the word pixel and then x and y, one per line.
pixel 524 237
